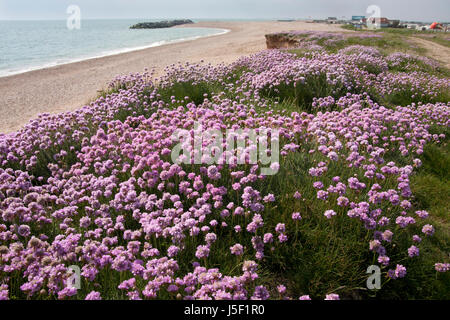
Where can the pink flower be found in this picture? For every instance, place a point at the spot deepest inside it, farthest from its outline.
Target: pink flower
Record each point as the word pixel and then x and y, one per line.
pixel 428 230
pixel 281 289
pixel 332 296
pixel 297 195
pixel 202 252
pixel 296 216
pixel 329 214
pixel 93 295
pixel 237 249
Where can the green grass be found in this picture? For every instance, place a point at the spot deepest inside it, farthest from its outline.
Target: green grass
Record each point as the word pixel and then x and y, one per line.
pixel 324 256
pixel 420 66
pixel 438 37
pixel 431 189
pixel 321 256
pixel 387 44
pixel 302 93
pixel 407 96
pixel 191 92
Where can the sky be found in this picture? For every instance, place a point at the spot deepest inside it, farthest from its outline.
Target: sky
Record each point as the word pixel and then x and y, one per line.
pixel 419 10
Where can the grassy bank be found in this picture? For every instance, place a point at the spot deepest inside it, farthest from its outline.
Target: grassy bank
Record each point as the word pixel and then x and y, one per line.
pixel 361 179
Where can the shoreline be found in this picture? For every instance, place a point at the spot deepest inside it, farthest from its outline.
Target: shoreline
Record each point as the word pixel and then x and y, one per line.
pixel 113 53
pixel 67 87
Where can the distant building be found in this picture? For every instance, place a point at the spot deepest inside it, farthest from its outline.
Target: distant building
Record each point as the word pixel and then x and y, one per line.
pixel 360 19
pixel 412 26
pixel 394 23
pixel 332 20
pixel 379 22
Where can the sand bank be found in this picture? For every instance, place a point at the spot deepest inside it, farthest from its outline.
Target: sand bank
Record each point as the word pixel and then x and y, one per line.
pixel 70 86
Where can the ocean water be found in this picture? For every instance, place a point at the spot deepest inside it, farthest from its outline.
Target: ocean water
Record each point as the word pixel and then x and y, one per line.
pixel 31 45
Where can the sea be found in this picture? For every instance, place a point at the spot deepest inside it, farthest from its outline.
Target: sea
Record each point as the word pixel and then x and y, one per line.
pixel 32 45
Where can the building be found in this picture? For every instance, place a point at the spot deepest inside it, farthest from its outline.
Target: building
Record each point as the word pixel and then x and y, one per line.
pixel 411 26
pixel 332 20
pixel 359 19
pixel 379 22
pixel 357 22
pixel 394 23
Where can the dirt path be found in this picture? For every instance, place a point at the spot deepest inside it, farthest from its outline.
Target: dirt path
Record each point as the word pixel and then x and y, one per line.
pixel 434 50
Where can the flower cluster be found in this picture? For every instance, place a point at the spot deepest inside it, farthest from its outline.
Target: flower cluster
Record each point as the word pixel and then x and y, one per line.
pixel 97 188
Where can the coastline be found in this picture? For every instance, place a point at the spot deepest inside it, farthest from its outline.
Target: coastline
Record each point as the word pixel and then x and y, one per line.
pixel 113 52
pixel 68 87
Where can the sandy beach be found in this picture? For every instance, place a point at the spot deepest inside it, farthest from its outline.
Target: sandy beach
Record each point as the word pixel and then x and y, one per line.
pixel 69 87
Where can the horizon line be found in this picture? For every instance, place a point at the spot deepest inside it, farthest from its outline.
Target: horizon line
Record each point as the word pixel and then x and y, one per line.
pixel 205 19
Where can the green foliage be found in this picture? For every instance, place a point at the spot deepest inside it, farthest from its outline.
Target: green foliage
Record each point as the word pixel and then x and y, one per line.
pixel 407 96
pixel 321 255
pixel 188 91
pixel 302 93
pixel 431 189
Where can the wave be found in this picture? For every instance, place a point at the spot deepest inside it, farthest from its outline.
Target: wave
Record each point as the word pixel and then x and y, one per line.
pixel 7 73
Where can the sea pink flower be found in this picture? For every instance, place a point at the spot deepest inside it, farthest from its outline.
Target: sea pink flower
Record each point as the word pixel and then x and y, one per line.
pixel 329 214
pixel 237 249
pixel 93 295
pixel 428 230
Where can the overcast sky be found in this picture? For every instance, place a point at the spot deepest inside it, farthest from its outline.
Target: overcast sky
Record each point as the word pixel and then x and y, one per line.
pixel 423 10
